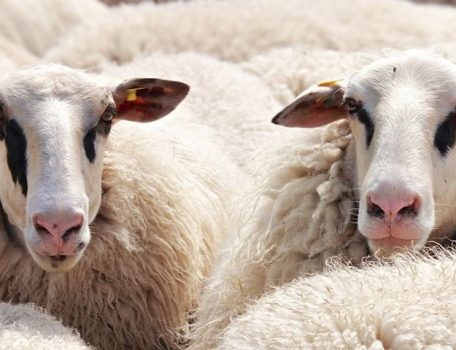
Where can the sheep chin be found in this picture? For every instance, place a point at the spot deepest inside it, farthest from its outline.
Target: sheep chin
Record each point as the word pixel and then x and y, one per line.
pixel 386 247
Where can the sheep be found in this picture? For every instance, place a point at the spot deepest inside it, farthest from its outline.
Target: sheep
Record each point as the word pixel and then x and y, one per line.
pixel 28 327
pixel 405 304
pixel 156 199
pixel 237 30
pixel 38 25
pixel 328 191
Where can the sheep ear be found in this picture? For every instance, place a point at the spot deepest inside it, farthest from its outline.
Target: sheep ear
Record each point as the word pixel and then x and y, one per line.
pixel 145 100
pixel 319 105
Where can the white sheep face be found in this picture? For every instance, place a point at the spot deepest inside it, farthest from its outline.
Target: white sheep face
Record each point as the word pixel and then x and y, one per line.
pixel 54 124
pixel 402 114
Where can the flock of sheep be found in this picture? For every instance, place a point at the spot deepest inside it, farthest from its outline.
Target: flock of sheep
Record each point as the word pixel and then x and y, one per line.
pixel 209 227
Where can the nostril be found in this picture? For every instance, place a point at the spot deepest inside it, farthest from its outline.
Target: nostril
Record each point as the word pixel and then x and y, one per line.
pixel 410 210
pixel 40 228
pixel 71 231
pixel 80 247
pixel 374 210
pixel 407 211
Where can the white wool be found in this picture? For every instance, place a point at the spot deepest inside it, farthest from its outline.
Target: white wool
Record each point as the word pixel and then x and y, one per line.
pixel 6 66
pixel 13 56
pixel 289 71
pixel 16 54
pixel 408 304
pixel 36 26
pixel 239 29
pixel 298 216
pixel 28 327
pixel 225 103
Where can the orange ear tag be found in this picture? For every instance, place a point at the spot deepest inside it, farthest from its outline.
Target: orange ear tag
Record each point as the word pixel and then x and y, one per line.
pixel 330 83
pixel 323 100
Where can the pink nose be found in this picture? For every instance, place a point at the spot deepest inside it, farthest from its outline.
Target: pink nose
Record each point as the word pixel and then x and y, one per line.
pixel 380 205
pixel 59 227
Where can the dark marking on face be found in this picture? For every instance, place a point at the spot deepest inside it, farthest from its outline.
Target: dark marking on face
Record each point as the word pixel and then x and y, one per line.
pixel 102 129
pixel 394 69
pixel 89 144
pixel 363 117
pixel 355 108
pixel 16 146
pixel 445 136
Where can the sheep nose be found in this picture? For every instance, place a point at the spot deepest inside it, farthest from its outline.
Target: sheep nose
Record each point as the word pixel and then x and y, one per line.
pixel 380 205
pixel 59 226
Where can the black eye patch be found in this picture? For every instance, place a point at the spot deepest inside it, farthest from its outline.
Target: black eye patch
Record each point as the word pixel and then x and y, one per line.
pixel 355 108
pixel 89 144
pixel 103 128
pixel 445 137
pixel 364 118
pixel 16 146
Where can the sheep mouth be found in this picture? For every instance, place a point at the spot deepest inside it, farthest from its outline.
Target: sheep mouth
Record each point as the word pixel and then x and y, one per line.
pixel 394 242
pixel 58 258
pixel 56 263
pixel 387 246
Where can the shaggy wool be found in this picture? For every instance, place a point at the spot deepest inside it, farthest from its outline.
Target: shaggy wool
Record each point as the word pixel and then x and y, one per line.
pixel 28 327
pixel 37 26
pixel 405 304
pixel 299 216
pixel 239 29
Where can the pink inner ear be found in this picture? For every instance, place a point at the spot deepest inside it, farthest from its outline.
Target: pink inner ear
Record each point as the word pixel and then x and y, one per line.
pixel 130 105
pixel 316 119
pixel 320 106
pixel 140 111
pixel 145 100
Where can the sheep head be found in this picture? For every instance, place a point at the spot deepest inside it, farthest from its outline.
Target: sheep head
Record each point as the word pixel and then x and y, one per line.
pixel 402 114
pixel 54 124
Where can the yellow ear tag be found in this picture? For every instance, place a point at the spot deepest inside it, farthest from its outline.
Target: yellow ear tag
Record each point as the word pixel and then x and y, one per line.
pixel 131 95
pixel 330 83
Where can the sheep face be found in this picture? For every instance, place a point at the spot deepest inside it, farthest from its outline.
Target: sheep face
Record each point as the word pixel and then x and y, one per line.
pixel 54 124
pixel 402 113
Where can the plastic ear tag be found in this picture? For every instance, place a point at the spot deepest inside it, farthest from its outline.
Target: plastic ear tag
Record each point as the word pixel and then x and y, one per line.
pixel 330 83
pixel 131 95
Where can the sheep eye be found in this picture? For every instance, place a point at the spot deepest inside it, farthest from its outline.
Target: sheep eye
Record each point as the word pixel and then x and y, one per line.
pixel 108 114
pixel 352 105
